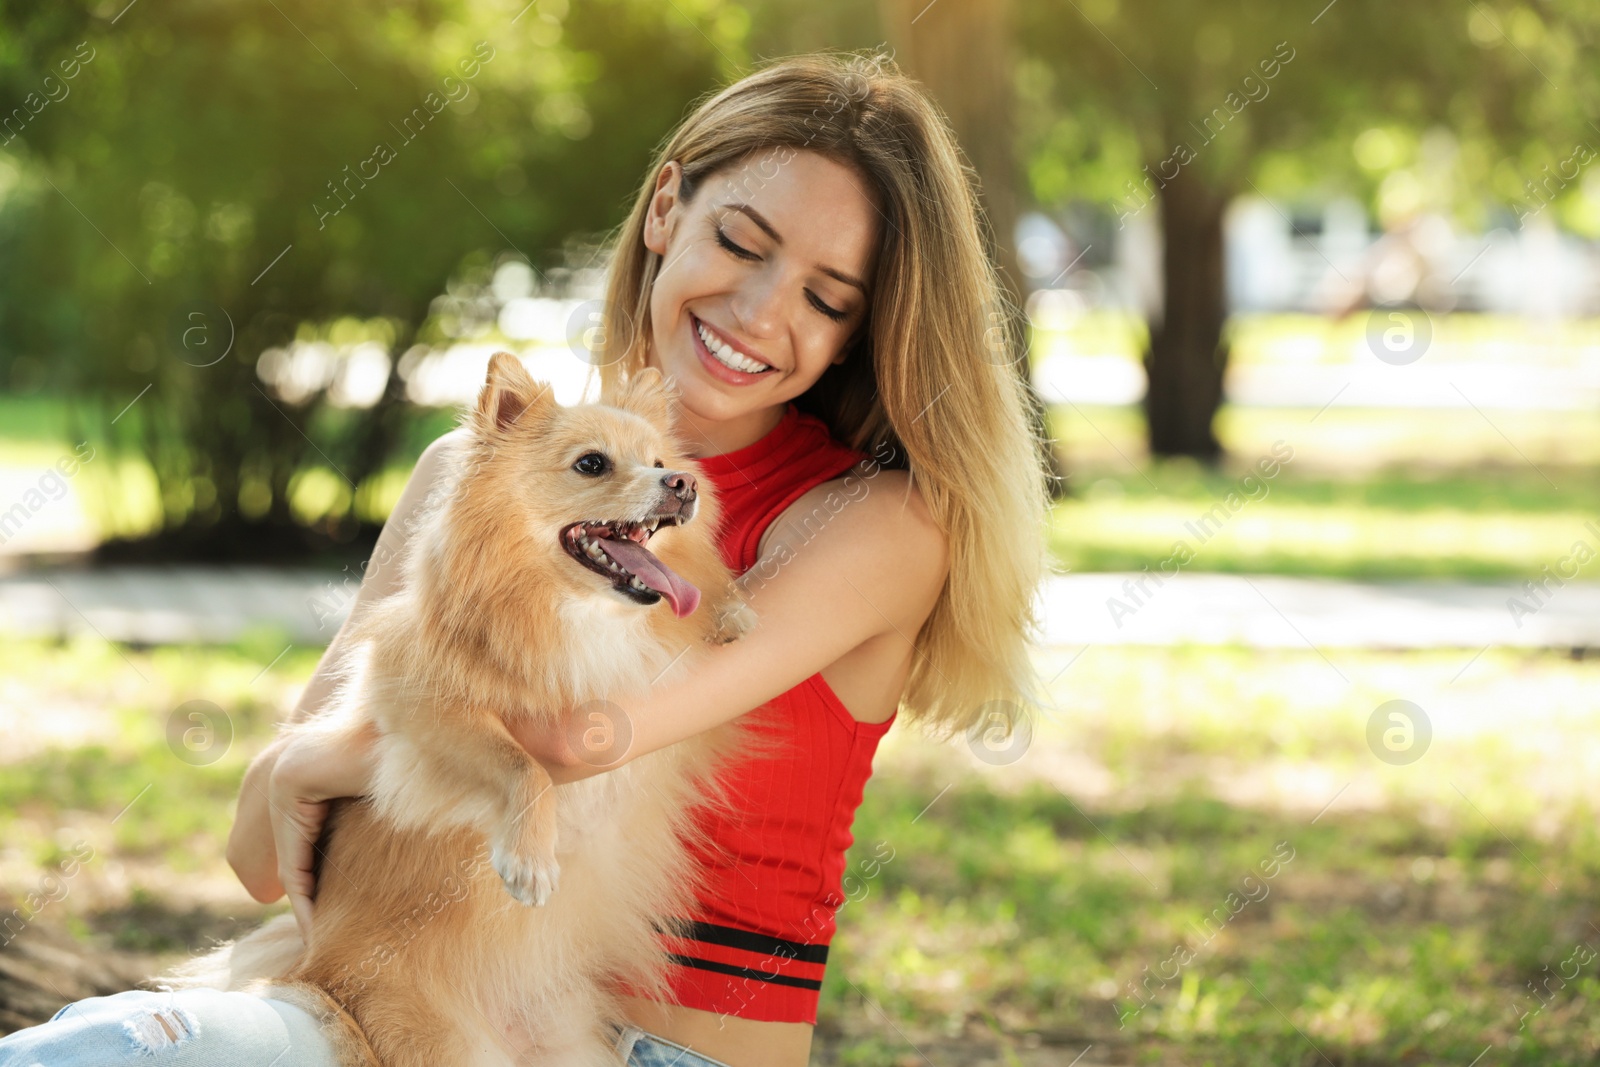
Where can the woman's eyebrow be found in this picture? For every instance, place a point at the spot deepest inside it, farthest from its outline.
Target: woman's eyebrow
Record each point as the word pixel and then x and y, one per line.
pixel 761 220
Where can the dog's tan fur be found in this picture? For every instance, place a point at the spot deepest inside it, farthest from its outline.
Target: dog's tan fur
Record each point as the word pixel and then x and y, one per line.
pixel 421 955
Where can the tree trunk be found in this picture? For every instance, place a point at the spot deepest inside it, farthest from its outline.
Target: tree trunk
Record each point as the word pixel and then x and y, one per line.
pixel 1187 357
pixel 961 50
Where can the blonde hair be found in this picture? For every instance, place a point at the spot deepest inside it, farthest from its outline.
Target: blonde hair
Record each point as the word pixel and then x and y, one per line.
pixel 930 379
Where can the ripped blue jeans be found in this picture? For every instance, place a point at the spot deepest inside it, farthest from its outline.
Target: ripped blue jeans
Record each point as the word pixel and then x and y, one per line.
pixel 208 1028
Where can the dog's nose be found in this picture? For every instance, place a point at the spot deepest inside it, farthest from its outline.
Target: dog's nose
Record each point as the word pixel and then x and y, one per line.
pixel 681 484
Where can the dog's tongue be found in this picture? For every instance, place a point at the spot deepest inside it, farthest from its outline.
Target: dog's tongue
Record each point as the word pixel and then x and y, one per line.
pixel 683 597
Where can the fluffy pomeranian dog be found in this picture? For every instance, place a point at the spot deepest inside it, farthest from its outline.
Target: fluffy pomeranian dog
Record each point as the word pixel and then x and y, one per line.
pixel 468 912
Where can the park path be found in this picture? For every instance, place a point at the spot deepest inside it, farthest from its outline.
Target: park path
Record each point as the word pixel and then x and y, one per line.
pixel 204 604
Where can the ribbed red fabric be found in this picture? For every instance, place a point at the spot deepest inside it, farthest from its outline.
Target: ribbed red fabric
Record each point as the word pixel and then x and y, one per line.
pixel 760 937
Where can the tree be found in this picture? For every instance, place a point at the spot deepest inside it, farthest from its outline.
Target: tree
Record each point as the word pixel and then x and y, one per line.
pixel 215 178
pixel 962 51
pixel 1177 107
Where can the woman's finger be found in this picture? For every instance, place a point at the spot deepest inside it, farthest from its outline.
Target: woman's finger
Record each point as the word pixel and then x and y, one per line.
pixel 311 817
pixel 317 766
pixel 296 825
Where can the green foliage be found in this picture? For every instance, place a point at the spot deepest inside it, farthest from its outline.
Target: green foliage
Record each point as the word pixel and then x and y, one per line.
pixel 222 173
pixel 1110 86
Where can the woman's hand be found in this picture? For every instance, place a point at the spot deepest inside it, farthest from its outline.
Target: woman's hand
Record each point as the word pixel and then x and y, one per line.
pixel 315 767
pixel 250 851
pixel 546 741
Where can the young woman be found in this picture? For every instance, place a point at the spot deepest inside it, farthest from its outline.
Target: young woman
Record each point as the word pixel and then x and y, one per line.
pixel 806 262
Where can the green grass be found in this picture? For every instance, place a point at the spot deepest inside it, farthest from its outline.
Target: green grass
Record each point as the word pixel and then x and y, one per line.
pixel 32 418
pixel 1440 520
pixel 117 704
pixel 1352 442
pixel 1379 494
pixel 1012 910
pixel 1415 908
pixel 122 498
pixel 1390 524
pixel 1293 339
pixel 35 431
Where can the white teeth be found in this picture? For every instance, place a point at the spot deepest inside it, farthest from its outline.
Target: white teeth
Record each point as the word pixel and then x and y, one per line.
pixel 595 552
pixel 727 356
pixel 637 584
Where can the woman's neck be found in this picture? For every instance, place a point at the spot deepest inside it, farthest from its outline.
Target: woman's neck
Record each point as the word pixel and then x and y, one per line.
pixel 713 437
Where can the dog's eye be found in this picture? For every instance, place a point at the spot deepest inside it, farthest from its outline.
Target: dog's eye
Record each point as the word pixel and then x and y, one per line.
pixel 592 463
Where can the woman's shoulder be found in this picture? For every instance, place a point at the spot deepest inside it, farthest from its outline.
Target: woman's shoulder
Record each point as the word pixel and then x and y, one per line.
pixel 882 519
pixel 900 509
pixel 447 443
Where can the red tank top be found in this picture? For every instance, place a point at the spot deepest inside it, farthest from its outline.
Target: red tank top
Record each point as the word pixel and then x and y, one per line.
pixel 759 939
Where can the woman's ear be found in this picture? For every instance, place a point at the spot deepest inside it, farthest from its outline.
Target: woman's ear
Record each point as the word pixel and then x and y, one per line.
pixel 509 396
pixel 661 215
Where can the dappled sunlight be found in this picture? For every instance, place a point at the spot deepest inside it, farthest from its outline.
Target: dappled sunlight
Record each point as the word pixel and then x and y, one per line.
pixel 1414 901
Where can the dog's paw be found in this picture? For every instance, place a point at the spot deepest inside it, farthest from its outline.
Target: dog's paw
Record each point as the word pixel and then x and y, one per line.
pixel 531 879
pixel 735 619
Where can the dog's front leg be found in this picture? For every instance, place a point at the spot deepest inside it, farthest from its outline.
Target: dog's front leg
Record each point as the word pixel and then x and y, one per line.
pixel 524 843
pixel 733 619
pixel 470 763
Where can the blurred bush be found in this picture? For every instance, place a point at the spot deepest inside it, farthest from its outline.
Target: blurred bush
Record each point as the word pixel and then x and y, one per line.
pixel 186 186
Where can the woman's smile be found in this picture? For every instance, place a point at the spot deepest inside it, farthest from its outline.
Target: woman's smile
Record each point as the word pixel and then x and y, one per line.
pixel 723 357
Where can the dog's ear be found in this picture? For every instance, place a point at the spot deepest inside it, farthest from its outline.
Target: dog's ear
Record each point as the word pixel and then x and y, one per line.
pixel 510 395
pixel 646 393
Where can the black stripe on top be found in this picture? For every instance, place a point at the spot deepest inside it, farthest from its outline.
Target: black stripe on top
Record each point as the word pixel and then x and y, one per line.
pixel 749 941
pixel 744 972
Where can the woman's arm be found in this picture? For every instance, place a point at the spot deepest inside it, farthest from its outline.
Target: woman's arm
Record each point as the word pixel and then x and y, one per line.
pixel 284 796
pixel 876 568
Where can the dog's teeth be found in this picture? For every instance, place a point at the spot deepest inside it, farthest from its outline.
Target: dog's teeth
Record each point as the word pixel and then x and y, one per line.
pixel 637 584
pixel 595 552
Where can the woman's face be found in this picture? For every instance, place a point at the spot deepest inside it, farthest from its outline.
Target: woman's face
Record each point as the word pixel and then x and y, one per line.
pixel 762 281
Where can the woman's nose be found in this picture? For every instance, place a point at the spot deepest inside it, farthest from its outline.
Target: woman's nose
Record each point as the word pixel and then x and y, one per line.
pixel 758 307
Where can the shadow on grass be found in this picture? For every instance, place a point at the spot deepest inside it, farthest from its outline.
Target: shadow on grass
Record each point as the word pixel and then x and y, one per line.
pixel 1186 930
pixel 1193 931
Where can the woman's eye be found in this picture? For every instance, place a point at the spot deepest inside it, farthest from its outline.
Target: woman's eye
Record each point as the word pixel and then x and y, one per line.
pixel 744 253
pixel 832 312
pixel 591 463
pixel 738 250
